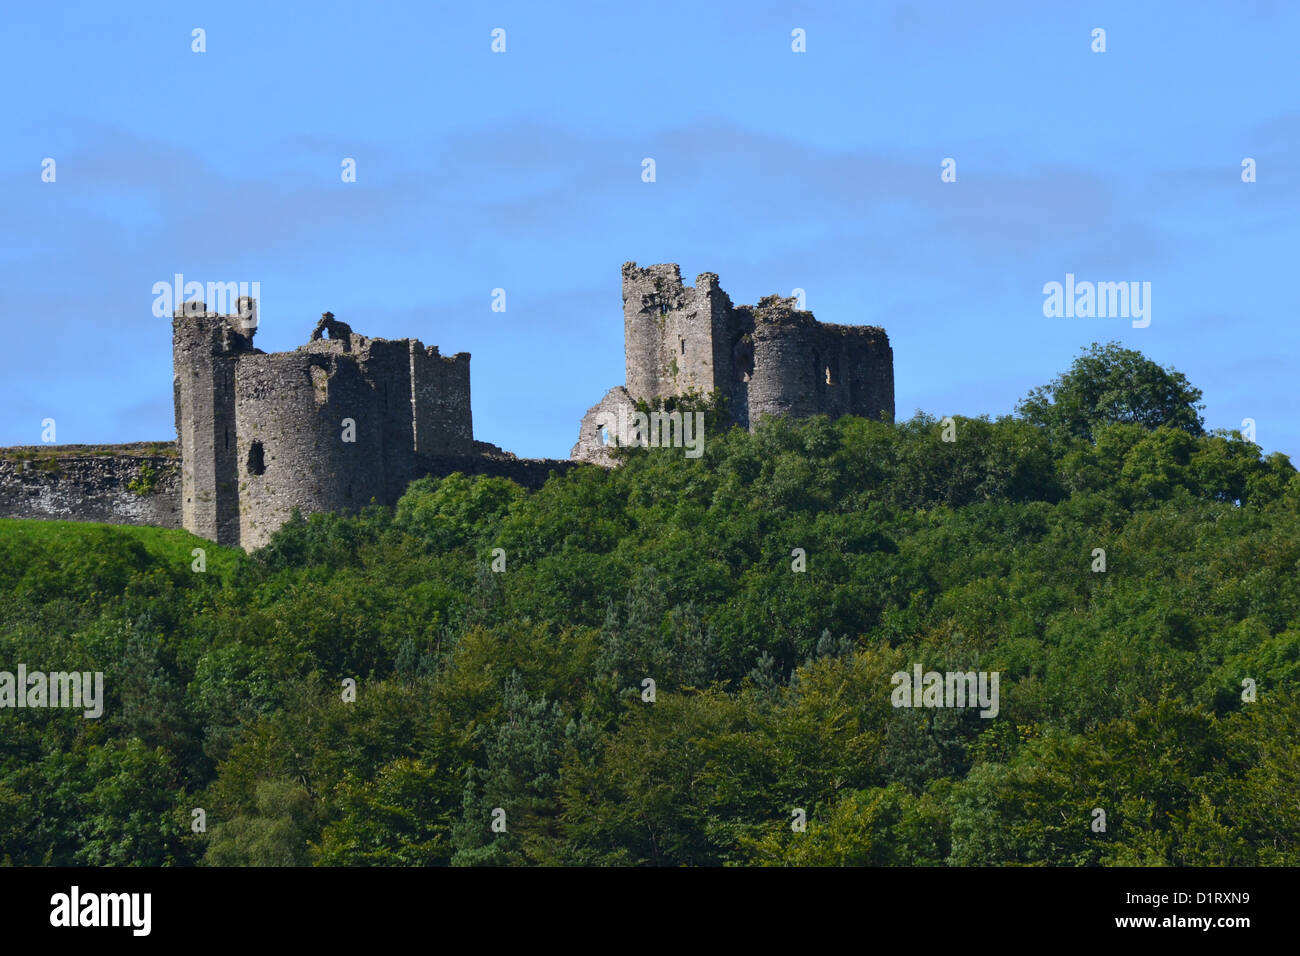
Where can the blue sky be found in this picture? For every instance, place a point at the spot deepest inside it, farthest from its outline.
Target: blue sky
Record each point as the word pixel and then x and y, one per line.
pixel 522 171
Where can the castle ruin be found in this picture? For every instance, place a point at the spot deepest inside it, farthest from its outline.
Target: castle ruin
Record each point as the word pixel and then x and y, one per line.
pixel 768 359
pixel 346 420
pixel 341 421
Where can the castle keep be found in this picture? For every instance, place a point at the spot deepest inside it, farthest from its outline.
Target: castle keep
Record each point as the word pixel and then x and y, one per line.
pixel 768 359
pixel 340 421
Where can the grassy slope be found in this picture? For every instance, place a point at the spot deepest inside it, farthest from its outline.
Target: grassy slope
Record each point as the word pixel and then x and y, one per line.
pixel 169 546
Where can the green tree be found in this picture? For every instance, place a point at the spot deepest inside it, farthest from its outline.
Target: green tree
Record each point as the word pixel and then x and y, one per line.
pixel 400 818
pixel 523 753
pixel 275 834
pixel 1109 384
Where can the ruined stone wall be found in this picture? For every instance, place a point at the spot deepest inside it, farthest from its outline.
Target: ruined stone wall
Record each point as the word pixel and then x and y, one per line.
pixel 385 367
pixel 676 337
pixel 649 295
pixel 861 370
pixel 784 380
pixel 264 434
pixel 598 433
pixel 72 486
pixel 804 367
pixel 341 422
pixel 290 411
pixel 126 484
pixel 726 362
pixel 205 348
pixel 444 423
pixel 770 359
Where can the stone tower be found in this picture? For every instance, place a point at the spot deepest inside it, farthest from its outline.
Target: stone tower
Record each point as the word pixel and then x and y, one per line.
pixel 205 349
pixel 339 422
pixel 768 359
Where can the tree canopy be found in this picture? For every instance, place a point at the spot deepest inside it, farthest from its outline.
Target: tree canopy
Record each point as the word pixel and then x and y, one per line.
pixel 1111 385
pixel 1130 578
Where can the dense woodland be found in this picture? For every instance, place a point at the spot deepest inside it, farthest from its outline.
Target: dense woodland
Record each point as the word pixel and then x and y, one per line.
pixel 522 689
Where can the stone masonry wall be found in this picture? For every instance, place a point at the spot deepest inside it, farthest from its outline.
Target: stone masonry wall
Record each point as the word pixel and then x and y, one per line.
pixel 205 347
pixel 444 424
pixel 260 435
pixel 803 367
pixel 769 359
pixel 36 482
pixel 599 429
pixel 264 434
pixel 648 296
pixel 290 412
pixel 94 487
